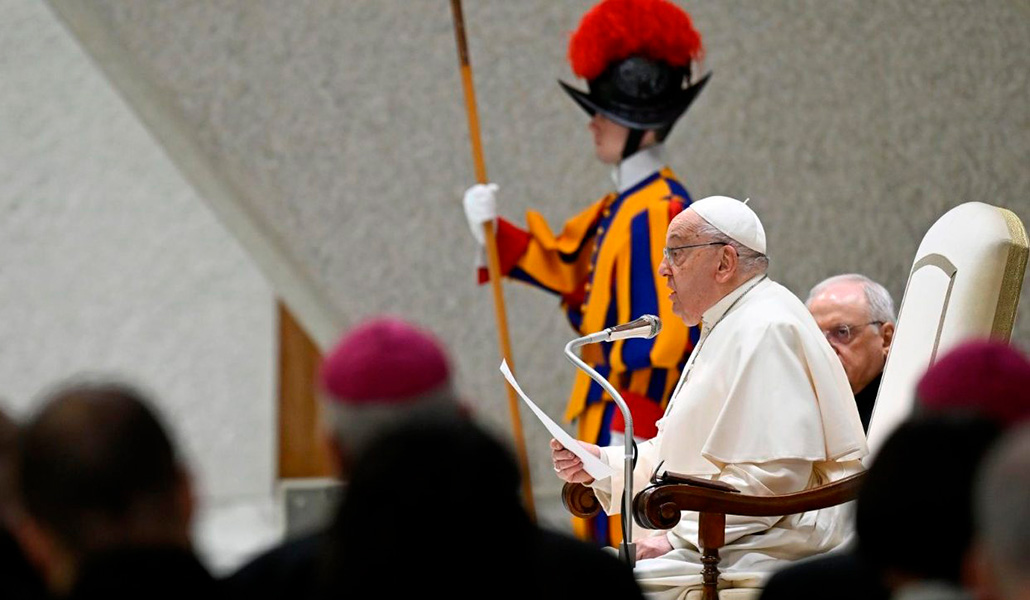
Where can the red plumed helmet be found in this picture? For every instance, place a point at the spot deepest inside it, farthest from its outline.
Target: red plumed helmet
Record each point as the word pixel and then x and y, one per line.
pixel 636 56
pixel 617 29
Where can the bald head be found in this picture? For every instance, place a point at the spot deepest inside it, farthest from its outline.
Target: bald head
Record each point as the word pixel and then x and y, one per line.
pixel 877 298
pixel 857 315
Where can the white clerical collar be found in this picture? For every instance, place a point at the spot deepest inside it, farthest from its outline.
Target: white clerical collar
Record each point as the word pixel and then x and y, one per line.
pixel 638 167
pixel 720 308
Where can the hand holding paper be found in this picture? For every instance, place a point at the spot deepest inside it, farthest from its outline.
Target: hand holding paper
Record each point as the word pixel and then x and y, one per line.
pixel 592 464
pixel 567 466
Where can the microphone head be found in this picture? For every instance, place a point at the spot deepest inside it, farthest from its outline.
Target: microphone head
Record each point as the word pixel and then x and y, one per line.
pixel 645 327
pixel 656 325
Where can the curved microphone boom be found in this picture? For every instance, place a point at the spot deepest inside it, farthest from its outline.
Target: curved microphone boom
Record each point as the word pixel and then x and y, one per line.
pixel 645 327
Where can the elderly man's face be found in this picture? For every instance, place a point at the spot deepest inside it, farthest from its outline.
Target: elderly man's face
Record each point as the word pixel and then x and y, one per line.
pixel 842 312
pixel 689 272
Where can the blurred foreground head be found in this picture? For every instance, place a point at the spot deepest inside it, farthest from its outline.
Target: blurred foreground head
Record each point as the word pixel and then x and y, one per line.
pixel 441 476
pixel 8 454
pixel 919 490
pixel 914 517
pixel 384 373
pixel 1003 518
pixel 984 377
pixel 433 509
pixel 97 472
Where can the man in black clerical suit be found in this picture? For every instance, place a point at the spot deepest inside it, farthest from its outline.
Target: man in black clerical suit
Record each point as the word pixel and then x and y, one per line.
pixel 857 316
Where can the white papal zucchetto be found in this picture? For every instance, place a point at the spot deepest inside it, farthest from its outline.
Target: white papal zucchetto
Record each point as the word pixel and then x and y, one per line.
pixel 734 218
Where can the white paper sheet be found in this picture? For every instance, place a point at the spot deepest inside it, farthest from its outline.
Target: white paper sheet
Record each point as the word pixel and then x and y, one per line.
pixel 592 464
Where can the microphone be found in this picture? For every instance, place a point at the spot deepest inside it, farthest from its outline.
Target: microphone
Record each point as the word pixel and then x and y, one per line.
pixel 645 327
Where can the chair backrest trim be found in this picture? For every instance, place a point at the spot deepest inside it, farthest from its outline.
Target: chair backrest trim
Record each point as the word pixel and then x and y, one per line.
pixel 941 262
pixel 1012 283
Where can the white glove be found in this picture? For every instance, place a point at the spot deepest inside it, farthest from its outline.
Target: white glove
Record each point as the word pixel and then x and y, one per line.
pixel 480 207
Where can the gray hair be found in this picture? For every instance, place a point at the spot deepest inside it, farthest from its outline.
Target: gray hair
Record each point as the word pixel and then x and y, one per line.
pixel 881 305
pixel 751 262
pixel 355 427
pixel 1002 510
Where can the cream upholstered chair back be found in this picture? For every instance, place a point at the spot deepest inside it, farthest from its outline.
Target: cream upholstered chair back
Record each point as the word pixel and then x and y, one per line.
pixel 964 284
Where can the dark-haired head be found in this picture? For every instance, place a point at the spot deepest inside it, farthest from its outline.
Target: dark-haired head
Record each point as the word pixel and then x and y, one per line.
pixel 97 470
pixel 918 491
pixel 438 480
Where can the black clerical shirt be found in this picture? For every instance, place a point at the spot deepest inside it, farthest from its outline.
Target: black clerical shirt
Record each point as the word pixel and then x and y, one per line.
pixel 865 399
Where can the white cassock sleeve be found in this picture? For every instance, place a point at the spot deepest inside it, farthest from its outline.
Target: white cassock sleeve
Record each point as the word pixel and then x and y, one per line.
pixel 614 456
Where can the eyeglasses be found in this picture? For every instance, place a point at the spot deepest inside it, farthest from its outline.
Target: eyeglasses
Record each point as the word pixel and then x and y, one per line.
pixel 673 255
pixel 843 334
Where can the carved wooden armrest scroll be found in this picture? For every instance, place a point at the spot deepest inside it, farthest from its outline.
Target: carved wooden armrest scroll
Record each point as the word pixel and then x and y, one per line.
pixel 580 500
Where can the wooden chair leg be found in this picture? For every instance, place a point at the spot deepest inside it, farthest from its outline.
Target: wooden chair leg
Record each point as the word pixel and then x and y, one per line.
pixel 711 537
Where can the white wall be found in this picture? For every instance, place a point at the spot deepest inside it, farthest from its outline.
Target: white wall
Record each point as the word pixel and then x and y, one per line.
pixel 110 264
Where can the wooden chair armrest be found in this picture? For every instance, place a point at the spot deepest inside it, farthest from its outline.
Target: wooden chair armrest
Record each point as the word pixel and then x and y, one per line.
pixel 659 506
pixel 580 500
pixel 668 477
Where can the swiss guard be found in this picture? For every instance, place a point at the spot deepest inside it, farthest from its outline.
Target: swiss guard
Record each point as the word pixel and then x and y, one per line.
pixel 637 58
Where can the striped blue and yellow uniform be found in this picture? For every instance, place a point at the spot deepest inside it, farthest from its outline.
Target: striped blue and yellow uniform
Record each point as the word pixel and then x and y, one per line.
pixel 604 267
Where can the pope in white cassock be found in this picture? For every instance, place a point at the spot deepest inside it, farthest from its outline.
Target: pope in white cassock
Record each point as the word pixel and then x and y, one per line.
pixel 763 405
